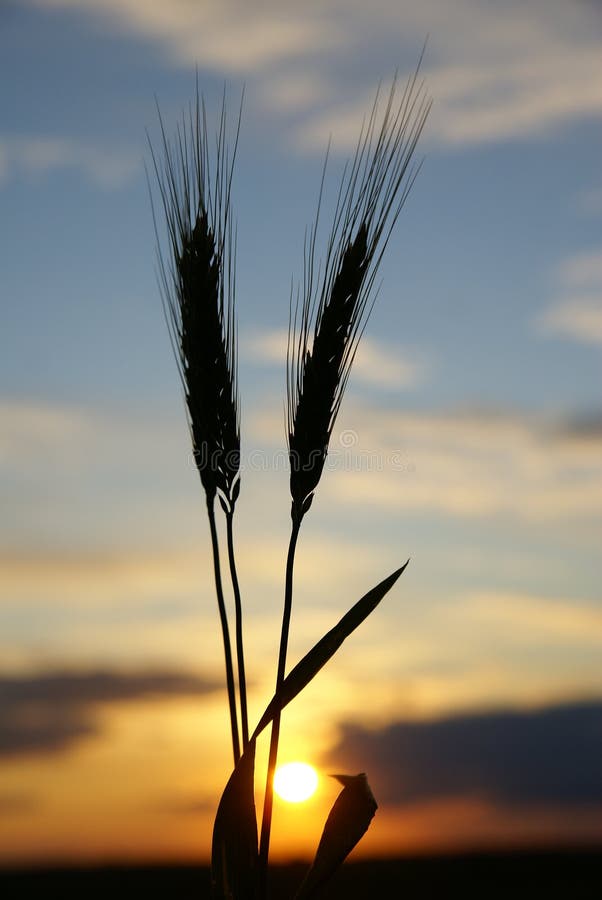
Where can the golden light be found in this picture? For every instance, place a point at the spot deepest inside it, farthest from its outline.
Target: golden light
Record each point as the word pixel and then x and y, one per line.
pixel 295 781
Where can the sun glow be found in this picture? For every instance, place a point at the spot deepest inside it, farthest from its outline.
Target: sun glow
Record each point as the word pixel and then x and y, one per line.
pixel 295 781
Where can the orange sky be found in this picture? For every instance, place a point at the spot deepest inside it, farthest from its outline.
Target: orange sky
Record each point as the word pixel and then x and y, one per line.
pixel 146 787
pixel 469 439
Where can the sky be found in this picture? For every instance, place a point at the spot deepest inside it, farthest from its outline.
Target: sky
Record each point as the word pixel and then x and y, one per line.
pixel 469 439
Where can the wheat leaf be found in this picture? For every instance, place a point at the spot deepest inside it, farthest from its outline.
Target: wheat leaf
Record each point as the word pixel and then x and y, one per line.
pixel 234 851
pixel 321 652
pixel 347 822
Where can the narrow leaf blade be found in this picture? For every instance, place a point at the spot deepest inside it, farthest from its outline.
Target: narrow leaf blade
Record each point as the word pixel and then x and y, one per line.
pixel 347 822
pixel 325 649
pixel 234 852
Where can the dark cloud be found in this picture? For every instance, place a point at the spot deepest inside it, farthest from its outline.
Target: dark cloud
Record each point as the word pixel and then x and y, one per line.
pixel 586 426
pixel 546 757
pixel 49 711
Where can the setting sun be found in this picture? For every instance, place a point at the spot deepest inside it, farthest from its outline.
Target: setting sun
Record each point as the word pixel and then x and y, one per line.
pixel 295 781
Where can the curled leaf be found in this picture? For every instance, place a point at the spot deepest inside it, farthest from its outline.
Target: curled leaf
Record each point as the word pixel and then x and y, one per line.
pixel 347 822
pixel 321 652
pixel 234 851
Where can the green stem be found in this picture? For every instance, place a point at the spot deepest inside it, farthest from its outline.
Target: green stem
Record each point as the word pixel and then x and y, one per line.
pixel 225 631
pixel 266 824
pixel 240 655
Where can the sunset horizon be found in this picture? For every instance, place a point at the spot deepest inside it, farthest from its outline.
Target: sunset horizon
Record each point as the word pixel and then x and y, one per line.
pixel 468 442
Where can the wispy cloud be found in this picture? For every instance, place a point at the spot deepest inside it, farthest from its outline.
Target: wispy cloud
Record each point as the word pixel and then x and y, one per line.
pixel 34 579
pixel 464 650
pixel 297 90
pixel 463 464
pixel 454 464
pixel 529 619
pixel 65 452
pixel 515 71
pixel 509 74
pixel 39 427
pixel 132 596
pixel 227 35
pixel 384 365
pixel 39 154
pixel 377 363
pixel 577 313
pixel 578 319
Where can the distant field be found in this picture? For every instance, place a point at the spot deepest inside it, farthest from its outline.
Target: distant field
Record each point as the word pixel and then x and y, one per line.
pixel 567 875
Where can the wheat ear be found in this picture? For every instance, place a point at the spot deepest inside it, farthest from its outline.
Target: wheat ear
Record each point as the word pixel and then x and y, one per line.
pixel 326 325
pixel 197 286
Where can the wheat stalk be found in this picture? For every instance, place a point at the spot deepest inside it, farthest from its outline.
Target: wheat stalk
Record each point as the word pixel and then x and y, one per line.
pixel 327 323
pixel 197 288
pixel 197 280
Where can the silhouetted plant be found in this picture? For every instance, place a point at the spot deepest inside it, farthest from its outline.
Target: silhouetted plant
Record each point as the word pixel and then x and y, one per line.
pixel 197 287
pixel 196 273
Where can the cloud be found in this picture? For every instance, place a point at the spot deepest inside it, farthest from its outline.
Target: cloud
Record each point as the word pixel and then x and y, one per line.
pixel 533 620
pixel 37 155
pixel 517 96
pixel 583 427
pixel 226 35
pixel 296 91
pixel 463 464
pixel 544 757
pixel 578 319
pixel 377 363
pixel 577 314
pixel 103 579
pixel 71 438
pixel 496 72
pixel 427 652
pixel 80 458
pixel 384 365
pixel 48 712
pixel 109 580
pixel 39 428
pixel 509 74
pixel 267 347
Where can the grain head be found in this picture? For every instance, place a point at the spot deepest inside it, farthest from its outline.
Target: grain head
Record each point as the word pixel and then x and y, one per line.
pixel 333 304
pixel 196 274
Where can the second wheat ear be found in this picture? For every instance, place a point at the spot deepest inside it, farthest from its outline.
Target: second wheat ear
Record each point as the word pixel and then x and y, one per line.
pixel 326 325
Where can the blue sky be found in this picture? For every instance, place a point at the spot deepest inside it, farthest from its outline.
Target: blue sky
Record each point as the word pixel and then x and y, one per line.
pixel 476 392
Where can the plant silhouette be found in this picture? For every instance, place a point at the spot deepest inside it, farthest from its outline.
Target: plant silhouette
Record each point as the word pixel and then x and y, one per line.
pixel 327 319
